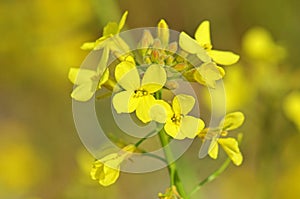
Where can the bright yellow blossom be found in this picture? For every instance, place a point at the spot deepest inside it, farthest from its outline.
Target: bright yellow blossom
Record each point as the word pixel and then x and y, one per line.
pixel 202 47
pixel 138 93
pixel 110 31
pixel 178 124
pixel 230 145
pixel 107 169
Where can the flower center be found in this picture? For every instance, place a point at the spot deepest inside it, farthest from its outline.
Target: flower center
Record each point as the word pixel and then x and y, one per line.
pixel 207 47
pixel 140 93
pixel 176 119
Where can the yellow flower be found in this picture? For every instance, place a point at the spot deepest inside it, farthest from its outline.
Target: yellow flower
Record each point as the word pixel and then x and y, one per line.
pixel 208 74
pixel 259 44
pixel 171 193
pixel 230 145
pixel 138 93
pixel 89 81
pixel 291 107
pixel 202 46
pixel 178 124
pixel 109 31
pixel 107 169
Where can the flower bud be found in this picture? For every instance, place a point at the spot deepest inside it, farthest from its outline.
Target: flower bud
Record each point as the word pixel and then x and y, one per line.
pixel 163 32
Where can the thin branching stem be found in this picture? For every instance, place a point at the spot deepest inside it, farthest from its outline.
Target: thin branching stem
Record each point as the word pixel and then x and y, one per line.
pixel 210 178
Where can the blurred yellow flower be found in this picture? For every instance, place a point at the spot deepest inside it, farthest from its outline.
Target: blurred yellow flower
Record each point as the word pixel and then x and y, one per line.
pixel 21 168
pixel 259 44
pixel 171 193
pixel 291 107
pixel 138 93
pixel 202 46
pixel 107 169
pixel 178 124
pixel 109 31
pixel 230 145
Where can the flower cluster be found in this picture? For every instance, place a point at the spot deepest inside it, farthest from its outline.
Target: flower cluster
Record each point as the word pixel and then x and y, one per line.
pixel 140 79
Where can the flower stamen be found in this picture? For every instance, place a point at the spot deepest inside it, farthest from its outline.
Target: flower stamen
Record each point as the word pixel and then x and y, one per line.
pixel 176 119
pixel 140 93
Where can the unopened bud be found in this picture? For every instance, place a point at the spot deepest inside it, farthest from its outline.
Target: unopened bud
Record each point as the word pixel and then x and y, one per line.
pixel 163 32
pixel 146 40
pixel 173 47
pixel 157 44
pixel 180 66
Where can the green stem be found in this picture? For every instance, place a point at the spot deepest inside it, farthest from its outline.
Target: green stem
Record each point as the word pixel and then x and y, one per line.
pixel 174 177
pixel 144 151
pixel 154 156
pixel 213 176
pixel 144 138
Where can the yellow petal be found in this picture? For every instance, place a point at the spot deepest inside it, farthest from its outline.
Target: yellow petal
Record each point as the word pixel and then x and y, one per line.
pixel 102 42
pixel 189 44
pixel 117 44
pixel 88 46
pixel 202 34
pixel 103 62
pixel 79 76
pixel 160 111
pixel 143 108
pixel 129 149
pixel 223 57
pixel 96 170
pixel 125 102
pixel 110 176
pixel 111 29
pixel 183 104
pixel 231 147
pixel 232 121
pixel 123 20
pixel 191 126
pixel 83 92
pixel 180 136
pixel 163 32
pixel 154 78
pixel 127 75
pixel 172 129
pixel 209 73
pixel 213 149
pixel 106 158
pixel 203 56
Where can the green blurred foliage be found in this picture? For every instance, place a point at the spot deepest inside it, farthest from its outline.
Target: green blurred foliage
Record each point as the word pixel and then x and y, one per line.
pixel 41 155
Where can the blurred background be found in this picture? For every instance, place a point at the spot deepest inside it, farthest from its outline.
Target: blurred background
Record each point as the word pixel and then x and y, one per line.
pixel 41 156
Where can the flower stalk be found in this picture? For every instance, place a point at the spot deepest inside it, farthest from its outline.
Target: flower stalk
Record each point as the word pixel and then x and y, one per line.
pixel 174 177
